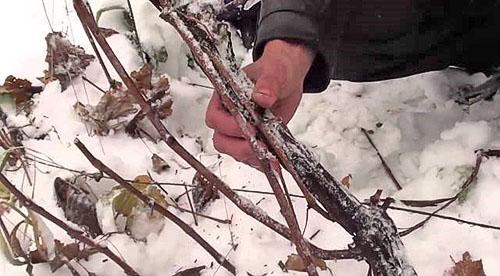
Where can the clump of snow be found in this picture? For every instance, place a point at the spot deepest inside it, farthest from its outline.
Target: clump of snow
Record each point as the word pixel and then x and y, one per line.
pixel 474 135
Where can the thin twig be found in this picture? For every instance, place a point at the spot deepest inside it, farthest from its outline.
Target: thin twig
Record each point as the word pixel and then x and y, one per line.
pixel 98 54
pixel 191 206
pixel 93 84
pixel 29 204
pixel 47 16
pixel 314 234
pixel 200 85
pixel 387 169
pixel 136 33
pixel 432 214
pixel 419 203
pixel 463 188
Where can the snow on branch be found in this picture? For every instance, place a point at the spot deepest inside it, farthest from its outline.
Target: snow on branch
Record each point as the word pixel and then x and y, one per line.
pixel 373 231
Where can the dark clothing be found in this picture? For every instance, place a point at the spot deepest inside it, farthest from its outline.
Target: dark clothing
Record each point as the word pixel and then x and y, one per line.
pixel 370 40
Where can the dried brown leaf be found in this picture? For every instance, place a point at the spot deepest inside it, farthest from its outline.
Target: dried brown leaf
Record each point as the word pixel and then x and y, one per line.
pixel 203 192
pixel 143 77
pixel 466 267
pixel 78 206
pixel 64 253
pixel 20 89
pixel 15 245
pixel 194 271
pixel 295 262
pixel 44 240
pixel 115 110
pixel 346 181
pixel 159 164
pixel 156 90
pixel 107 32
pixel 66 61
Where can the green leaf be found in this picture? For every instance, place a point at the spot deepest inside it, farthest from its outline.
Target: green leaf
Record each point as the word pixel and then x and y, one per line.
pixel 125 202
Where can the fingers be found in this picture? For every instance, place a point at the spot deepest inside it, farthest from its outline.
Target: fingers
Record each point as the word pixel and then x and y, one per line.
pixel 239 148
pixel 269 81
pixel 220 120
pixel 266 91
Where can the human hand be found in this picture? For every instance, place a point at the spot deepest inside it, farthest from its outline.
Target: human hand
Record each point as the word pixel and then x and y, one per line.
pixel 279 79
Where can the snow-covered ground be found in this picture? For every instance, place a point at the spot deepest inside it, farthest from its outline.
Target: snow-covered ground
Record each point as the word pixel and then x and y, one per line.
pixel 427 140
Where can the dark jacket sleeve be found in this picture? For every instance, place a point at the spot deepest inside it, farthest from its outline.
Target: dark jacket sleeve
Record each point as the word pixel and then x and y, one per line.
pixel 300 20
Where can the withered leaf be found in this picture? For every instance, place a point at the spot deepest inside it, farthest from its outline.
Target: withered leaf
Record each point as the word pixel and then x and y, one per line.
pixel 466 267
pixel 203 192
pixel 15 245
pixel 6 250
pixel 44 239
pixel 156 90
pixel 107 32
pixel 295 262
pixel 20 89
pixel 194 271
pixel 37 257
pixel 346 181
pixel 66 61
pixel 159 164
pixel 78 206
pixel 68 252
pixel 143 77
pixel 115 110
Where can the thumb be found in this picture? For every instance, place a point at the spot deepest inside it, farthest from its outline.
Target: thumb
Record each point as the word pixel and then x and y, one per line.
pixel 266 91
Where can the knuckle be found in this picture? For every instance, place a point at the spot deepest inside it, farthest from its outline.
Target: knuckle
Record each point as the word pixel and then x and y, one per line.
pixel 210 117
pixel 216 142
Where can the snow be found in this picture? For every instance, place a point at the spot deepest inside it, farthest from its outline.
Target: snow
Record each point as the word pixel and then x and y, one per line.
pixel 426 139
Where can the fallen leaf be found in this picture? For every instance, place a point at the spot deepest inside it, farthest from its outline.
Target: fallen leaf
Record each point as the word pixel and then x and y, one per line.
pixel 68 252
pixel 15 245
pixel 20 89
pixel 44 239
pixel 156 90
pixel 114 111
pixel 143 77
pixel 6 249
pixel 78 206
pixel 195 271
pixel 203 192
pixel 107 32
pixel 466 267
pixel 117 109
pixel 66 61
pixel 159 164
pixel 295 262
pixel 125 202
pixel 128 205
pixel 346 181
